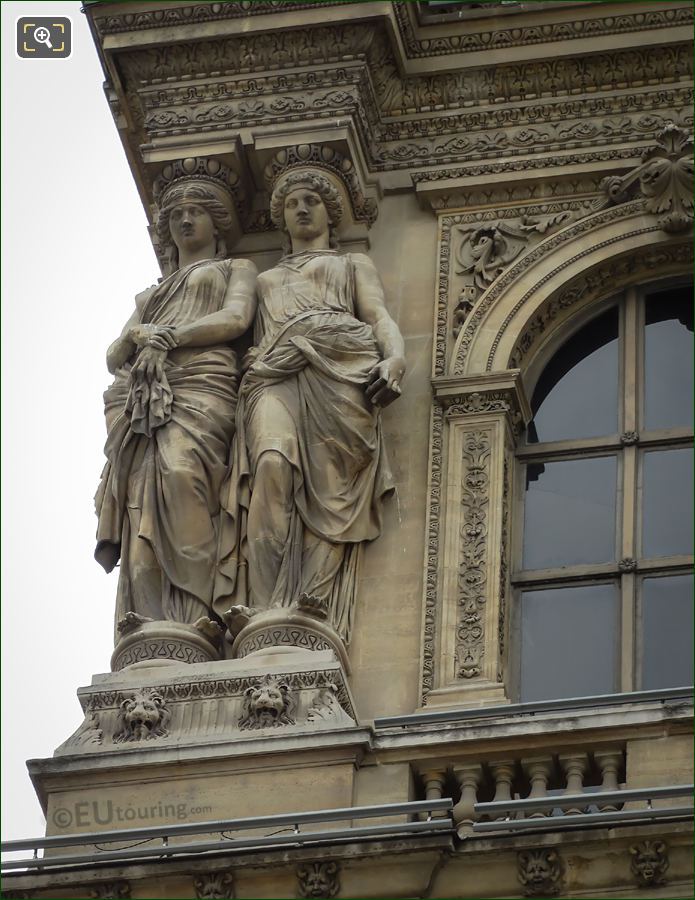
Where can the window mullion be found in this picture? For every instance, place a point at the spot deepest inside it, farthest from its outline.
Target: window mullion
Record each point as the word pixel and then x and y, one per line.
pixel 630 403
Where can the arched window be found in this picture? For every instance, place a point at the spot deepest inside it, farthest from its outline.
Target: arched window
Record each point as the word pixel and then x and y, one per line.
pixel 603 570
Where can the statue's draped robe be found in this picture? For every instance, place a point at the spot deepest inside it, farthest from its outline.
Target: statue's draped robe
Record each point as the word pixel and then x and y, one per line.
pixel 167 451
pixel 303 396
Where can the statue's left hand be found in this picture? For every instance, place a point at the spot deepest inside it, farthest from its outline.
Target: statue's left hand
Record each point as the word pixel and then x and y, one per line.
pixel 149 365
pixel 384 384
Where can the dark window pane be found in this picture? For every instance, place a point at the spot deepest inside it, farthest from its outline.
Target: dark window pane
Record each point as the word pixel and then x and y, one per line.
pixel 569 638
pixel 577 394
pixel 668 359
pixel 667 632
pixel 569 514
pixel 668 503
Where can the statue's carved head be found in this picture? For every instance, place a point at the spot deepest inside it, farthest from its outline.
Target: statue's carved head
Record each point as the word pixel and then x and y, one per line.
pixel 649 862
pixel 142 716
pixel 319 879
pixel 267 704
pixel 208 184
pixel 539 872
pixel 317 182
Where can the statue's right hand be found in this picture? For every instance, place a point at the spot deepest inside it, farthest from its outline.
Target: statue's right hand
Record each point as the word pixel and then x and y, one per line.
pixel 141 335
pixel 149 366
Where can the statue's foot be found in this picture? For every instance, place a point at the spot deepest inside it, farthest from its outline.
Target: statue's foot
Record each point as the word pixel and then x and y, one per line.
pixel 209 629
pixel 313 606
pixel 238 617
pixel 131 621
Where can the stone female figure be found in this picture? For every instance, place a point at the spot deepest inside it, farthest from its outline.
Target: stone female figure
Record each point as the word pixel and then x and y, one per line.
pixel 170 414
pixel 310 473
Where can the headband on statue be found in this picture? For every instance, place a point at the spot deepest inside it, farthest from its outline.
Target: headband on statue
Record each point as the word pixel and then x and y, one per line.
pixel 200 179
pixel 313 180
pixel 325 170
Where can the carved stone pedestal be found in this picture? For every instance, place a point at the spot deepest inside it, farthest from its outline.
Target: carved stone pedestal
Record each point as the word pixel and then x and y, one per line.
pixel 171 743
pixel 282 631
pixel 165 642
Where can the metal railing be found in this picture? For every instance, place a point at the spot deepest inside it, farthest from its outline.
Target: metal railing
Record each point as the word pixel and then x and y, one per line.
pixel 509 815
pixel 421 812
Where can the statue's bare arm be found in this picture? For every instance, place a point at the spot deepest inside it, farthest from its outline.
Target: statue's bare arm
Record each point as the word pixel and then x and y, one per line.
pixel 231 321
pixel 385 378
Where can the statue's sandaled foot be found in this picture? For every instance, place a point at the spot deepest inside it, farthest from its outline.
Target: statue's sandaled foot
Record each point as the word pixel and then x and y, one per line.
pixel 209 629
pixel 313 606
pixel 238 617
pixel 131 621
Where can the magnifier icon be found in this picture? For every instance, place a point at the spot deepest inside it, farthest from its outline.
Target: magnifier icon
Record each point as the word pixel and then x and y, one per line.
pixel 43 36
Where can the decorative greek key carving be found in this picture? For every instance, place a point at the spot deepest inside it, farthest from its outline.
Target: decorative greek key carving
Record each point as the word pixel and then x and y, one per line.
pixel 318 879
pixel 540 872
pixel 216 886
pixel 649 863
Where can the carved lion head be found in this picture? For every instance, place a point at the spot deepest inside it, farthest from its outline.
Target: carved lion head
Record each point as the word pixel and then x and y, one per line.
pixel 143 716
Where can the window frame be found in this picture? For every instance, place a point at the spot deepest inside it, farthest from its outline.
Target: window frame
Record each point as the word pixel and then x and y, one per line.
pixel 629 445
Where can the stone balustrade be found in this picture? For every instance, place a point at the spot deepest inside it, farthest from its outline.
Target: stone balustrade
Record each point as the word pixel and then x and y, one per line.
pixel 534 774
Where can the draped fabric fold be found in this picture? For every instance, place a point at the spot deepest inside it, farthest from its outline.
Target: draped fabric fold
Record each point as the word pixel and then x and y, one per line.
pixel 167 449
pixel 303 397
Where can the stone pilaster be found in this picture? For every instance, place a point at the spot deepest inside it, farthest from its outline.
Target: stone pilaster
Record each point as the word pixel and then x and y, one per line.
pixel 482 416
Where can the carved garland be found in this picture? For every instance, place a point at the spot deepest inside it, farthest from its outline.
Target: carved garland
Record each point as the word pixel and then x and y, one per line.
pixel 472 577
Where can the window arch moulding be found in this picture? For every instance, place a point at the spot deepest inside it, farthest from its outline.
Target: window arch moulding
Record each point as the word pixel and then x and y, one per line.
pixel 633 240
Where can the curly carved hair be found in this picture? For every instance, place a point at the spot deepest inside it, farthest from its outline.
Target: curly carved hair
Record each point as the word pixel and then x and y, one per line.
pixel 314 181
pixel 202 196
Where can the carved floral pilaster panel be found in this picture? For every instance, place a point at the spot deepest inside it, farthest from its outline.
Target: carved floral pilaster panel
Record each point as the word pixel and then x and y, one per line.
pixel 467 569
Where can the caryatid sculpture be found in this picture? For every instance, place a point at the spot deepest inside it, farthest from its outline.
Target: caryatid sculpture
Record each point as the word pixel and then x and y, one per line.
pixel 309 472
pixel 170 415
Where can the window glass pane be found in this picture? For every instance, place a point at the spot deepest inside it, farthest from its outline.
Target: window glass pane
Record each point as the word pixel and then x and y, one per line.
pixel 569 513
pixel 577 394
pixel 668 359
pixel 667 632
pixel 667 527
pixel 569 638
